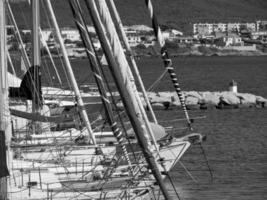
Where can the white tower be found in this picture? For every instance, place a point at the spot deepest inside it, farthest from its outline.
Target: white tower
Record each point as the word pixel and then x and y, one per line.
pixel 233 86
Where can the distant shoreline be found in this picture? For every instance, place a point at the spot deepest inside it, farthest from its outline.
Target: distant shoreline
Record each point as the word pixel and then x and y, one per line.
pixel 195 51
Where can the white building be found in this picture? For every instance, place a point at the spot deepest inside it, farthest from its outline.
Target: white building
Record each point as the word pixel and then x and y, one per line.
pixel 171 34
pixel 259 35
pixel 233 27
pixel 165 35
pixel 220 27
pixel 70 34
pixel 66 33
pixel 261 25
pixel 185 40
pixel 134 39
pixel 209 28
pixel 138 28
pixel 133 36
pixel 232 40
pixel 202 28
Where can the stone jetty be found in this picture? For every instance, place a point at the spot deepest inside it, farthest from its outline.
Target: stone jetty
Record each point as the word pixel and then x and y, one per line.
pixel 207 100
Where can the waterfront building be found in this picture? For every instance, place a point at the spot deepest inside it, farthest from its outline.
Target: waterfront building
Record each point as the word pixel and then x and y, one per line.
pixel 261 25
pixel 233 40
pixel 138 28
pixel 202 29
pixel 259 35
pixel 220 27
pixel 171 34
pixel 185 39
pixel 134 39
pixel 70 34
pixel 237 27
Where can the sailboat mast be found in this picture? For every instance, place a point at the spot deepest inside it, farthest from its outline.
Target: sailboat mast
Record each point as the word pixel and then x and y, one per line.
pixel 35 32
pixel 49 54
pixel 70 72
pixel 121 32
pixel 5 127
pixel 18 36
pixel 95 66
pixel 36 62
pixel 128 98
pixel 122 62
pixel 36 53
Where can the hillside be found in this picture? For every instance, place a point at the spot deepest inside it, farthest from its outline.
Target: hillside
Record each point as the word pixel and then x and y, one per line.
pixel 178 13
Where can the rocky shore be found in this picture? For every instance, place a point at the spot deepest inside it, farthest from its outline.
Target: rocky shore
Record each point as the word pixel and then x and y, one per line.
pixel 207 100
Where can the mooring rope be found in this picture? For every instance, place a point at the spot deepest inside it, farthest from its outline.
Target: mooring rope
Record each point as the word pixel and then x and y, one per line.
pixel 207 161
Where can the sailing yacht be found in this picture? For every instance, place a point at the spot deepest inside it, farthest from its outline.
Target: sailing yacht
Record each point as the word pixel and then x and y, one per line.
pixel 123 163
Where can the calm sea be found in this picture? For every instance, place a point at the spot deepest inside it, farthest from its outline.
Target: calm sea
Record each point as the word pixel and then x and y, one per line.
pixel 236 146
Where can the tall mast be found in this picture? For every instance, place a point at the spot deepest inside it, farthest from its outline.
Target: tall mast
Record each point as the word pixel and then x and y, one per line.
pixel 70 72
pixel 95 66
pixel 49 54
pixel 122 62
pixel 35 32
pixel 36 53
pixel 128 98
pixel 23 51
pixel 121 32
pixel 18 37
pixel 36 62
pixel 5 127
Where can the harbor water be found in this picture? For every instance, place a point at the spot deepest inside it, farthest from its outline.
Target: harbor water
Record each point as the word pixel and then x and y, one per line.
pixel 236 146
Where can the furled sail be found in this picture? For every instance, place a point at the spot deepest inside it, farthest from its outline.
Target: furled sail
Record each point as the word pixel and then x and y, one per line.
pixel 29 86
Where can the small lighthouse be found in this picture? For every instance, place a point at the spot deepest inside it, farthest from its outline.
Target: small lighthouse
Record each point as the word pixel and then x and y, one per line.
pixel 233 86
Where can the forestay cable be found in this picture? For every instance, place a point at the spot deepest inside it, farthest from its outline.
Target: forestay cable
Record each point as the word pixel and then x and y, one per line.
pixel 166 59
